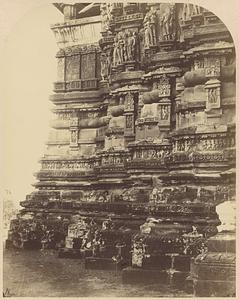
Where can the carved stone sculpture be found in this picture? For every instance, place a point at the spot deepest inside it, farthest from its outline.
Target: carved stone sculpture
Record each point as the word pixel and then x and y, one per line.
pixel 153 21
pixel 105 65
pixel 106 16
pixel 131 45
pixel 129 102
pixel 168 24
pixel 149 29
pixel 190 10
pixel 116 52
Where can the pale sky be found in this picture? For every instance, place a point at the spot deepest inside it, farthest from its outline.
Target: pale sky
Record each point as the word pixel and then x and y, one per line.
pixel 27 71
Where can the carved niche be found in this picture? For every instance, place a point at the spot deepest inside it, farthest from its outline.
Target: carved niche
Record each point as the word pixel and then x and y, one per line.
pixel 213 94
pixel 163 86
pixel 74 130
pixel 168 28
pixel 125 47
pixel 72 68
pixel 129 102
pixel 212 66
pixel 129 113
pixel 150 26
pixel 164 113
pixel 129 122
pixel 74 137
pixel 88 65
pixel 189 10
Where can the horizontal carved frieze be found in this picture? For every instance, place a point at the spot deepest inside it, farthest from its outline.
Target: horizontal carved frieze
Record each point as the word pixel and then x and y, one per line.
pixel 76 85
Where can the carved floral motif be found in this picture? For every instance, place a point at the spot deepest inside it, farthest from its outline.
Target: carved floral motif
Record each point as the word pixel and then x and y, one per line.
pixel 163 86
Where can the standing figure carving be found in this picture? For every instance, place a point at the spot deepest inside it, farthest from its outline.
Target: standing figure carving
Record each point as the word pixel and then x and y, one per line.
pixel 129 101
pixel 196 10
pixel 104 67
pixel 109 62
pixel 186 12
pixel 167 24
pixel 131 47
pixel 125 45
pixel 116 52
pixel 147 33
pixel 121 47
pixel 106 15
pixel 150 28
pixel 189 10
pixel 153 21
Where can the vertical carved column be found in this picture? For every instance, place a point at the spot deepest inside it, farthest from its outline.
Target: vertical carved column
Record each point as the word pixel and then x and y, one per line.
pixel 212 66
pixel 213 94
pixel 129 115
pixel 74 129
pixel 164 93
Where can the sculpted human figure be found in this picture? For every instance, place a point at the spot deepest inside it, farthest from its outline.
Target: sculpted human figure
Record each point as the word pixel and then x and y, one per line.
pixel 190 10
pixel 116 52
pixel 104 16
pixel 129 101
pixel 129 48
pixel 186 13
pixel 152 22
pixel 125 45
pixel 167 24
pixel 196 9
pixel 148 38
pixel 108 62
pixel 134 44
pixel 121 47
pixel 164 113
pixel 104 67
pixel 131 45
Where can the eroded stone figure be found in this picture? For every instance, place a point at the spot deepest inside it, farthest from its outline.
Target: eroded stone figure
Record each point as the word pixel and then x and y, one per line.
pixel 129 101
pixel 131 45
pixel 106 16
pixel 104 67
pixel 164 112
pixel 147 34
pixel 153 21
pixel 116 52
pixel 189 10
pixel 150 22
pixel 167 24
pixel 125 45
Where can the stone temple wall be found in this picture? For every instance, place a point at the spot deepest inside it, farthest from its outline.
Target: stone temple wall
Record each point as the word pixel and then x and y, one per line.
pixel 144 129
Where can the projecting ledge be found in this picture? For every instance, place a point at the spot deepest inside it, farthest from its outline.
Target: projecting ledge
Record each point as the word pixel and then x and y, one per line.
pixel 85 96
